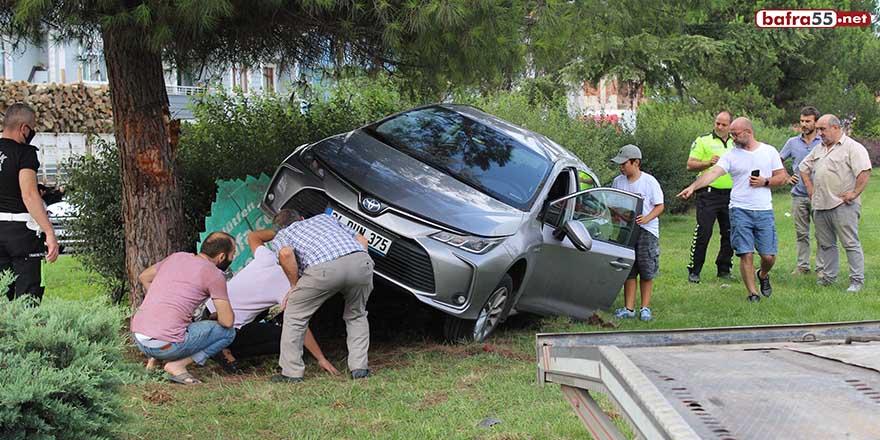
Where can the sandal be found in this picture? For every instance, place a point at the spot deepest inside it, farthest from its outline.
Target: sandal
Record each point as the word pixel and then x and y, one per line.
pixel 754 298
pixel 184 379
pixel 230 367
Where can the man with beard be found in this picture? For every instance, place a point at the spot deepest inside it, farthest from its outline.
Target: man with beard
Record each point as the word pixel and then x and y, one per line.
pixel 162 327
pixel 754 167
pixel 713 200
pixel 835 175
pixel 797 148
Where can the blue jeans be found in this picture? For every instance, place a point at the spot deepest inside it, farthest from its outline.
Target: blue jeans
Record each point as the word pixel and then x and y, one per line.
pixel 203 340
pixel 751 230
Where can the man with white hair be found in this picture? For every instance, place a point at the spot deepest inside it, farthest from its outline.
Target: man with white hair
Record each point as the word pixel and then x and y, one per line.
pixel 835 175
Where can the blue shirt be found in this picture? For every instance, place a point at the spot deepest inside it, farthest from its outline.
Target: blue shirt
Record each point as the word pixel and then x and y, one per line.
pixel 797 150
pixel 317 240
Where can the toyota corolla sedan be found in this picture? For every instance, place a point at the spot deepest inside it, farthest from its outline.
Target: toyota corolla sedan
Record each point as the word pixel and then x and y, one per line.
pixel 472 215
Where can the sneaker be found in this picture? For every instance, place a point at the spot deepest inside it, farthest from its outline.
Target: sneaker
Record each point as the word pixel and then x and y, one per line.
pixel 800 271
pixel 753 298
pixel 854 287
pixel 694 278
pixel 623 312
pixel 766 288
pixel 360 373
pixel 645 314
pixel 726 276
pixel 280 378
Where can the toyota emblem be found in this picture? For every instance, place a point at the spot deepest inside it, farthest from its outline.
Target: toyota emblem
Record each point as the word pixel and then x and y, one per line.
pixel 371 205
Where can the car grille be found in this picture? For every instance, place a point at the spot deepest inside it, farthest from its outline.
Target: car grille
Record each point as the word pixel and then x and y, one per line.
pixel 406 262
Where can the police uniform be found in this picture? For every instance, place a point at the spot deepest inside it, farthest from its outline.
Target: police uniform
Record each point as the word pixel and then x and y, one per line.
pixel 21 248
pixel 712 204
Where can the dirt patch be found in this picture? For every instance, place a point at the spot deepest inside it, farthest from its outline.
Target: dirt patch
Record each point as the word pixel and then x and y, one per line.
pixel 340 405
pixel 598 321
pixel 432 400
pixel 157 395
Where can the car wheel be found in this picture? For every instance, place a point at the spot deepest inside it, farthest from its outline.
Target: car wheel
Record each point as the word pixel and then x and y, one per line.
pixel 493 312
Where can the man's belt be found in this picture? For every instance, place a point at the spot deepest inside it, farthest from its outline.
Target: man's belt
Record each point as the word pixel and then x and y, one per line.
pixel 709 189
pixel 15 217
pixel 24 217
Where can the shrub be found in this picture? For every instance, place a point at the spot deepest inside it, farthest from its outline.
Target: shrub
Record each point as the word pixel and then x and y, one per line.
pixel 63 365
pixel 94 186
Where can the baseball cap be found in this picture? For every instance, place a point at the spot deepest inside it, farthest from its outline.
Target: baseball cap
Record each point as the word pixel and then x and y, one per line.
pixel 626 153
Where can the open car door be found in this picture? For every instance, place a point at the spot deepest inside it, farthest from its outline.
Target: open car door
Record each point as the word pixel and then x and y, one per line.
pixel 585 259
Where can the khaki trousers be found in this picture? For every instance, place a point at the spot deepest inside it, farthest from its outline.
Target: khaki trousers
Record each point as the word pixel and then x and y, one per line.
pixel 352 275
pixel 840 223
pixel 802 212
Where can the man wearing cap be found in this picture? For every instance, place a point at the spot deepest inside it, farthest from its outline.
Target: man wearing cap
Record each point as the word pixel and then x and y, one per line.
pixel 22 213
pixel 754 167
pixel 840 170
pixel 713 200
pixel 647 264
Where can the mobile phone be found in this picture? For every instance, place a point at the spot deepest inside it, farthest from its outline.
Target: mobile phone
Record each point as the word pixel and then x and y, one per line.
pixel 756 173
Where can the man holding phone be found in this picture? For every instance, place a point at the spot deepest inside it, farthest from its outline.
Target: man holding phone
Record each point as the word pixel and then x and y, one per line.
pixel 755 167
pixel 797 148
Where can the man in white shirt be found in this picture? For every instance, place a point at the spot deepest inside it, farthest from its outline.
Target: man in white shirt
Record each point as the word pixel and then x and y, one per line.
pixel 755 167
pixel 260 285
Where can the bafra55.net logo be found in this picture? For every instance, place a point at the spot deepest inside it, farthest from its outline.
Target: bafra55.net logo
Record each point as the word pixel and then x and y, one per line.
pixel 810 18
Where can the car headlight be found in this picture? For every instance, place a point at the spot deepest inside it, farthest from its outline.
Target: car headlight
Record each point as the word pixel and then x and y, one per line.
pixel 477 245
pixel 308 158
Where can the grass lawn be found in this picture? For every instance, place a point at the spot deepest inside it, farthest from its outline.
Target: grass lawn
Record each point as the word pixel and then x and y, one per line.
pixel 424 389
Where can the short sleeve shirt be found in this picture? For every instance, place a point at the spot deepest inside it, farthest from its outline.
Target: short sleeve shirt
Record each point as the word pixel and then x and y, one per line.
pixel 740 163
pixel 708 145
pixel 259 285
pixel 797 149
pixel 183 282
pixel 317 240
pixel 834 171
pixel 14 157
pixel 647 187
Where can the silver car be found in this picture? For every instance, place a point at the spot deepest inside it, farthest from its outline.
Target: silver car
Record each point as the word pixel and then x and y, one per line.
pixel 470 214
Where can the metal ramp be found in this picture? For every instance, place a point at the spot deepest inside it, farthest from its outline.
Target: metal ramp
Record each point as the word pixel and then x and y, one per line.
pixel 792 381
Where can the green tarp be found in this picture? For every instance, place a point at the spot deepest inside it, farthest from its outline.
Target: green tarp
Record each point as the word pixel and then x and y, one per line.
pixel 236 211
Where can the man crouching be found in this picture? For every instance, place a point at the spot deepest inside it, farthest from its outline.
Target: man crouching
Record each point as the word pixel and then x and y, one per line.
pixel 176 286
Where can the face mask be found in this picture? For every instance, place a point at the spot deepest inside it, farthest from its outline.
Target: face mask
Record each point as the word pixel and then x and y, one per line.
pixel 224 264
pixel 30 136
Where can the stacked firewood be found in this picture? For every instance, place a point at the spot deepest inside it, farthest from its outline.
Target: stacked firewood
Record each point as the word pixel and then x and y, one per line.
pixel 62 108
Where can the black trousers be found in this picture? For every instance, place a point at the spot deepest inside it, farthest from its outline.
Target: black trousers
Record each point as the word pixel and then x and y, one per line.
pixel 257 338
pixel 712 205
pixel 22 251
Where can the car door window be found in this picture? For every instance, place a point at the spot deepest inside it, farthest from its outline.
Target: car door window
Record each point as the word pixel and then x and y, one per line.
pixel 609 215
pixel 561 187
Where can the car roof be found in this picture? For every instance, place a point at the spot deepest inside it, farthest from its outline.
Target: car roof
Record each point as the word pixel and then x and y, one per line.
pixel 534 141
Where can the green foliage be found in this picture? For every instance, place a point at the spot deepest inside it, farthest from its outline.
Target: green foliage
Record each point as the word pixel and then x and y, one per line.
pixel 63 365
pixel 748 100
pixel 238 135
pixel 665 132
pixel 851 103
pixel 6 278
pixel 94 186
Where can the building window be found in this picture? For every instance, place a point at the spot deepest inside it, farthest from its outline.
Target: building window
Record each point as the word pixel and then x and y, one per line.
pixel 93 69
pixel 240 78
pixel 269 79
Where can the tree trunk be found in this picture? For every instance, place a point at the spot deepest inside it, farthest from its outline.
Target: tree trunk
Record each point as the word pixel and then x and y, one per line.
pixel 147 141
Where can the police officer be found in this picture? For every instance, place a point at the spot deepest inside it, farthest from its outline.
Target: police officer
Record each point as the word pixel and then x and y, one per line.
pixel 713 201
pixel 22 213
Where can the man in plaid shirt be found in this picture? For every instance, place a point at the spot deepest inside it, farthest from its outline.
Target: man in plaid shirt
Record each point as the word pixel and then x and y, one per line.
pixel 321 257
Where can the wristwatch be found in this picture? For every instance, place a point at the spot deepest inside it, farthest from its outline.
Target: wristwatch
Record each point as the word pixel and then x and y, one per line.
pixel 766 182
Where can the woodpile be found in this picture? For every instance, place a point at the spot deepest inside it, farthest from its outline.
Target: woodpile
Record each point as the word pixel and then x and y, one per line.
pixel 62 108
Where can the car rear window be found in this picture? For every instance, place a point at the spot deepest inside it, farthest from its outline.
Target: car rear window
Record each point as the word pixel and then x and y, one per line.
pixel 477 155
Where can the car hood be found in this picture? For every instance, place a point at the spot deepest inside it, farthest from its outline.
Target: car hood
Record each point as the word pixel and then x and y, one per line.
pixel 410 185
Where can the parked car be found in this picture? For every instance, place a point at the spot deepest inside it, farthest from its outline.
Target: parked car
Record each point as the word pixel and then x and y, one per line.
pixel 470 214
pixel 60 214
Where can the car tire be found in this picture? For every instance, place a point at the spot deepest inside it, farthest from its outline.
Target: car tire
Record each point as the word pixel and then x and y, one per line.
pixel 493 313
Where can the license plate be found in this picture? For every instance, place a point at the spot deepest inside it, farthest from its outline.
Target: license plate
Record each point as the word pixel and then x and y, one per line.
pixel 377 243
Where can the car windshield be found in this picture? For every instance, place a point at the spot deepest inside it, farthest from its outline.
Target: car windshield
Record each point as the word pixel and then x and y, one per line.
pixel 473 153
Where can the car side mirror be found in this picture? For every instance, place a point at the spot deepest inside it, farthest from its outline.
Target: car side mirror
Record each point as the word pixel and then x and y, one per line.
pixel 578 234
